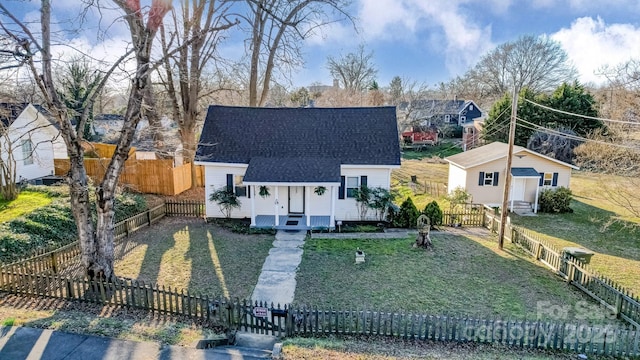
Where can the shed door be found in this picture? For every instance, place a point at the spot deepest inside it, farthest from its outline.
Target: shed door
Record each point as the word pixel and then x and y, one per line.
pixel 517 189
pixel 296 199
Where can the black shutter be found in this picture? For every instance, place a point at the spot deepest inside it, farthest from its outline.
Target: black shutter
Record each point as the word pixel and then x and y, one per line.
pixel 363 180
pixel 541 182
pixel 248 191
pixel 495 178
pixel 229 182
pixel 341 190
pixel 554 182
pixel 481 179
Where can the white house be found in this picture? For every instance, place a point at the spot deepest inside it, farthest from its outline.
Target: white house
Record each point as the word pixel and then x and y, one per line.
pixel 481 173
pixel 27 133
pixel 291 155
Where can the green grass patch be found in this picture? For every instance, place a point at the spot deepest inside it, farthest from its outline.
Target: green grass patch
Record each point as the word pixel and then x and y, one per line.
pixel 26 202
pixel 196 256
pixel 616 243
pixel 464 275
pixel 441 150
pixel 50 224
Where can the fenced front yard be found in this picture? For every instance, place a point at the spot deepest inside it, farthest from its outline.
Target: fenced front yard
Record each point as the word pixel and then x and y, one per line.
pixel 192 269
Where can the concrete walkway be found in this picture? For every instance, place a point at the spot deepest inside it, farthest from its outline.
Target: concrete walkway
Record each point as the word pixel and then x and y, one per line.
pixel 277 281
pixel 37 344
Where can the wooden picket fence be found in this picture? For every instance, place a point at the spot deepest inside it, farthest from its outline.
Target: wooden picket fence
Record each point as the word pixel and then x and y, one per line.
pixel 52 262
pixel 587 339
pixel 464 215
pixel 186 208
pixel 620 301
pixel 263 318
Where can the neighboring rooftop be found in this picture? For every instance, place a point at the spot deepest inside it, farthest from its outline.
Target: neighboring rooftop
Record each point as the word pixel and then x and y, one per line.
pixel 9 112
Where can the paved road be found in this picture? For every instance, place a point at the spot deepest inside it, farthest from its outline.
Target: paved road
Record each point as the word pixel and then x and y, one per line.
pixel 23 343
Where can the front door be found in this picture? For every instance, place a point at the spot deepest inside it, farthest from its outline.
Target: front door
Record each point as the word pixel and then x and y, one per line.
pixel 296 199
pixel 517 189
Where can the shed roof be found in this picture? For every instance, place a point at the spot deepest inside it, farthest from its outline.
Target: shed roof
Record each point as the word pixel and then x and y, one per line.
pixel 493 151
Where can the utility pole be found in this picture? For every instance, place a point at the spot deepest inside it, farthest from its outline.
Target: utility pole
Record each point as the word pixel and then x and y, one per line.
pixel 504 211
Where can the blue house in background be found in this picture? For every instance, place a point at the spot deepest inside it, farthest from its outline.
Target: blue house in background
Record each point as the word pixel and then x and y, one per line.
pixel 445 112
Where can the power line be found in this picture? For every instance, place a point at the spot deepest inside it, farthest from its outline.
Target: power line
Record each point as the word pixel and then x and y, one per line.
pixel 582 116
pixel 533 126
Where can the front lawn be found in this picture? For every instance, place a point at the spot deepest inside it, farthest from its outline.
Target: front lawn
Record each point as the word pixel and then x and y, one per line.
pixel 192 255
pixel 464 275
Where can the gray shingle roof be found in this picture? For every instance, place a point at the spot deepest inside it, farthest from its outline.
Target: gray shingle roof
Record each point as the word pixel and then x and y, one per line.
pixel 300 169
pixel 362 136
pixel 524 172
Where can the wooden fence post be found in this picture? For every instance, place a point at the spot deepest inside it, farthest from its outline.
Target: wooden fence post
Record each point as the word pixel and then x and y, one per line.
pixel 538 251
pixel 618 303
pixel 569 268
pixel 54 263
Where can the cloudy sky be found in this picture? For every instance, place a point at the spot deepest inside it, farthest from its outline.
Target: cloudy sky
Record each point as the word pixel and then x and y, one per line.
pixel 427 41
pixel 432 41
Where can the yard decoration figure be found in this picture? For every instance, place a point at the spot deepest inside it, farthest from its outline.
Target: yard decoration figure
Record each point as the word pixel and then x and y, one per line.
pixel 424 227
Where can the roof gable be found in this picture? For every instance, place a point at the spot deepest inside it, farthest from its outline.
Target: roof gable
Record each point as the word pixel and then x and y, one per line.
pixel 491 152
pixel 365 136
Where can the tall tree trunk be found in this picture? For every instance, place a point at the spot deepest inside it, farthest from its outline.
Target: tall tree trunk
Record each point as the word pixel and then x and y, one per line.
pixel 155 123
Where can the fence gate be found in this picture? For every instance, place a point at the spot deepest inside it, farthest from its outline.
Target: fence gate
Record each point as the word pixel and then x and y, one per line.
pixel 259 317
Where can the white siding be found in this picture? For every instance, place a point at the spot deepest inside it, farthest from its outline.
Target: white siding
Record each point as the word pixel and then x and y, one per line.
pixel 33 126
pixel 346 209
pixel 457 178
pixel 493 194
pixel 216 177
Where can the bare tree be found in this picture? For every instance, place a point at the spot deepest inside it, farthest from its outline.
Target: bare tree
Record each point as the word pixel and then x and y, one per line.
pixel 536 63
pixel 277 29
pixel 97 244
pixel 196 34
pixel 355 70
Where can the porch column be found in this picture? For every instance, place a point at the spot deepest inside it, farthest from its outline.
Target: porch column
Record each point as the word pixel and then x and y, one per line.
pixel 332 214
pixel 252 190
pixel 307 203
pixel 277 205
pixel 535 205
pixel 511 193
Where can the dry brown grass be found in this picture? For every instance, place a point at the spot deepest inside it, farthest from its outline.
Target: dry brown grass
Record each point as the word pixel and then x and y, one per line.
pixel 430 171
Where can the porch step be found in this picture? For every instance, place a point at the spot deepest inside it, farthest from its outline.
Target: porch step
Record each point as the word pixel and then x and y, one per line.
pixel 520 205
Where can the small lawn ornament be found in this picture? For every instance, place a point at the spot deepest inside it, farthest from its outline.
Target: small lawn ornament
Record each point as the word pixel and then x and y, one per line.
pixel 424 227
pixel 359 256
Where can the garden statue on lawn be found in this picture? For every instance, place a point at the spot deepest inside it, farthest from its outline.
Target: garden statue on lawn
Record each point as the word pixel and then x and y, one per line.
pixel 424 227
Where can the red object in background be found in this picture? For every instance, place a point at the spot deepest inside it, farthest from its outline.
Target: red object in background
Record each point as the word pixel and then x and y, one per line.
pixel 420 135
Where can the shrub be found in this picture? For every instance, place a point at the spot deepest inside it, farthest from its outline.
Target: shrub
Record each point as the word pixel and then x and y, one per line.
pixel 128 205
pixel 226 199
pixel 434 213
pixel 61 190
pixel 407 215
pixel 555 200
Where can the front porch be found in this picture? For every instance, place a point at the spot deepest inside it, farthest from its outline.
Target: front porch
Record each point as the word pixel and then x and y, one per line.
pixel 293 222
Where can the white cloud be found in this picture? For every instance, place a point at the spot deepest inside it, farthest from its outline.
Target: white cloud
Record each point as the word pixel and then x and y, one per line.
pixel 591 43
pixel 436 24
